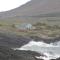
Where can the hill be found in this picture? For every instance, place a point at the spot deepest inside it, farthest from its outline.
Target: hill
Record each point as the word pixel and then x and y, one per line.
pixel 39 8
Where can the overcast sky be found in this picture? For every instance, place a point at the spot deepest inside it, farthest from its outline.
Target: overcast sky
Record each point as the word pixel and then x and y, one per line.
pixel 6 5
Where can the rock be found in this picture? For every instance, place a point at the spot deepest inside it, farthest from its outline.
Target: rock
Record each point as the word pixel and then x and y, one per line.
pixel 36 38
pixel 56 59
pixel 13 41
pixel 9 54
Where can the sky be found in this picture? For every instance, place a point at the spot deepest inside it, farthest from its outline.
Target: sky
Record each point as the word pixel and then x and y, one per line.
pixel 6 5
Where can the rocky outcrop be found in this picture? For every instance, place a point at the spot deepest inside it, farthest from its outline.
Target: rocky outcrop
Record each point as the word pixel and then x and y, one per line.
pixel 13 41
pixel 8 41
pixel 36 38
pixel 9 54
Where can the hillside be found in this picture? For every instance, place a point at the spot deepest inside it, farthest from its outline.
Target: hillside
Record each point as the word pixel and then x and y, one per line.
pixel 39 8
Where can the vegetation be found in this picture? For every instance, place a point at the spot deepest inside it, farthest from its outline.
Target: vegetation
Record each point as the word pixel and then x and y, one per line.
pixel 43 30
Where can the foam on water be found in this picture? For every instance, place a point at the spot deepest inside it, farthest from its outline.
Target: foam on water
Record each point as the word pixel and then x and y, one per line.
pixel 51 51
pixel 48 56
pixel 38 44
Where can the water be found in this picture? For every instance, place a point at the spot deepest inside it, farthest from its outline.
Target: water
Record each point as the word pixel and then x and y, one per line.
pixel 52 50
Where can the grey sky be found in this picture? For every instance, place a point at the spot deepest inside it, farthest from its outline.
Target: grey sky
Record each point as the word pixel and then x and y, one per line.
pixel 11 4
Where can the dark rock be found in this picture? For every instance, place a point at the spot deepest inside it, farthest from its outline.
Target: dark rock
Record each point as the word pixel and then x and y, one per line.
pixel 36 38
pixel 13 41
pixel 9 54
pixel 56 59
